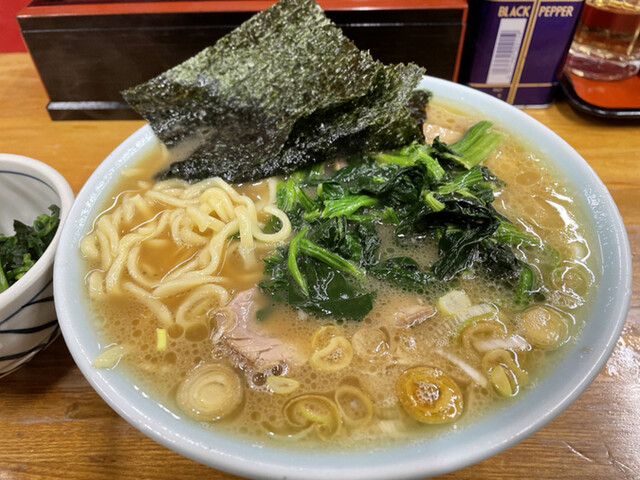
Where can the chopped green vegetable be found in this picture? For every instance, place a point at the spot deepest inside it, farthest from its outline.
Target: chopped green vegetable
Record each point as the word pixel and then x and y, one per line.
pixel 18 253
pixel 161 339
pixel 454 302
pixel 477 142
pixel 292 262
pixel 525 285
pixel 346 205
pixel 472 314
pixel 330 292
pixel 418 194
pixel 404 272
pixel 411 154
pixel 4 282
pixel 432 202
pixel 509 233
pixel 324 255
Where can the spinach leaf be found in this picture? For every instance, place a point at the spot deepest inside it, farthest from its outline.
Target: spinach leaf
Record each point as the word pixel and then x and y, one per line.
pixel 477 142
pixel 19 252
pixel 330 293
pixel 393 184
pixel 356 241
pixel 459 250
pixel 404 272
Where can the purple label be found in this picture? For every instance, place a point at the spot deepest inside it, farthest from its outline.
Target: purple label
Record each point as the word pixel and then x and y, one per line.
pixel 521 47
pixel 552 35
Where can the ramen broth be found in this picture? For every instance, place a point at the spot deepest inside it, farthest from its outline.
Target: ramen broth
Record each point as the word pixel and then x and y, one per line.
pixel 386 343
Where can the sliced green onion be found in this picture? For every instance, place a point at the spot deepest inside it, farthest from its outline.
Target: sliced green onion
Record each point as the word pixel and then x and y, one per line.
pixel 161 339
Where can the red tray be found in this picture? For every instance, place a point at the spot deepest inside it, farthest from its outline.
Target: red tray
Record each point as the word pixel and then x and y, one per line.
pixel 620 99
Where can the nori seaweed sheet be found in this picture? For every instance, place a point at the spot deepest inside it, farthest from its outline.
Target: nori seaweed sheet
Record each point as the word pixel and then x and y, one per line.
pixel 380 120
pixel 283 90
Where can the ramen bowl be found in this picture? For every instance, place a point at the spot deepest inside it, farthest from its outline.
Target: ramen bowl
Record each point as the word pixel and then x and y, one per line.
pixel 27 316
pixel 461 447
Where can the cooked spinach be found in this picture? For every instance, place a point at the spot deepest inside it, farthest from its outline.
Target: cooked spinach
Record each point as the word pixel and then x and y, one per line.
pixel 474 146
pixel 20 251
pixel 423 194
pixel 404 272
pixel 327 292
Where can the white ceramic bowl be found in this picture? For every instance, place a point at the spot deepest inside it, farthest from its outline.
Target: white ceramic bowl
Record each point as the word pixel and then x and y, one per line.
pixel 471 444
pixel 27 315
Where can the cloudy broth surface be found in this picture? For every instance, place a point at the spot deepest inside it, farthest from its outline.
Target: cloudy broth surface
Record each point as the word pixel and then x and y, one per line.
pixel 492 357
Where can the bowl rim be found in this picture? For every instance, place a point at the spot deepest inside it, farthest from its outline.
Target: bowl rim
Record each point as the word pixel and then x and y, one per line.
pixel 243 458
pixel 54 179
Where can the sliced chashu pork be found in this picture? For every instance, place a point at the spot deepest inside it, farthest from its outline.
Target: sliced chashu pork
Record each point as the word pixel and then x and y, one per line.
pixel 250 339
pixel 411 315
pixel 446 135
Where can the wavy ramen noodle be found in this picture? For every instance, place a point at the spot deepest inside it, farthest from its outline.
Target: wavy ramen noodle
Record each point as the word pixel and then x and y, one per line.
pixel 202 218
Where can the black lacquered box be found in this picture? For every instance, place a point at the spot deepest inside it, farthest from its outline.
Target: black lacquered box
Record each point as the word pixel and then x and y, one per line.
pixel 88 51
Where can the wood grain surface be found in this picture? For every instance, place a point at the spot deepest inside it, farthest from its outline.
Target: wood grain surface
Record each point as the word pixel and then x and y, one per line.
pixel 53 425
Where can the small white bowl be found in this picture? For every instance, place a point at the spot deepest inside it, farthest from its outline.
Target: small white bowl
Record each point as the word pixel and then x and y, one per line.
pixel 27 315
pixel 491 434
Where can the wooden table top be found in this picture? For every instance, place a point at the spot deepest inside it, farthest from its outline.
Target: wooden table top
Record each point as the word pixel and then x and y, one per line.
pixel 53 424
